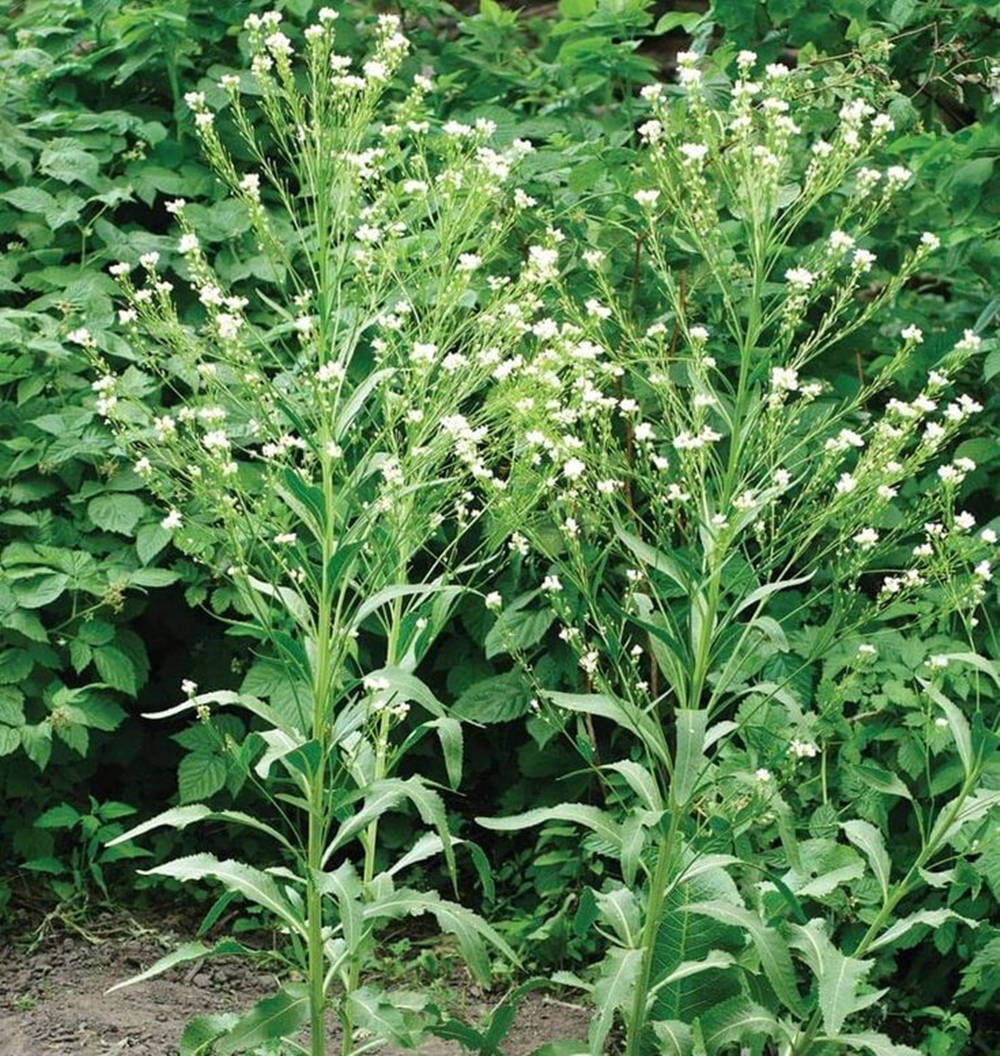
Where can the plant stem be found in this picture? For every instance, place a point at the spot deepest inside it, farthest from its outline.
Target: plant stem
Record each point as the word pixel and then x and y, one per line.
pixel 636 1025
pixel 314 918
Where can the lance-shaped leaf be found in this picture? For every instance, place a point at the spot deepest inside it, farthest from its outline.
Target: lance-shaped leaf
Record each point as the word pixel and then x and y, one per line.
pixel 641 781
pixel 401 688
pixel 838 976
pixel 877 1044
pixel 181 817
pixel 621 910
pixel 869 841
pixel 957 723
pixel 771 947
pixel 202 1032
pixel 383 796
pixel 243 879
pixel 612 991
pixel 593 818
pixel 189 951
pixel 690 725
pixel 279 1016
pixel 344 886
pixel 224 698
pixel 655 559
pixel 931 918
pixel 736 1021
pixel 621 713
pixel 469 929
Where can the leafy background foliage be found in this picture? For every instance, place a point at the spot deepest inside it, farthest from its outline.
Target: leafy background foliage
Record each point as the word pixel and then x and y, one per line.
pixel 100 616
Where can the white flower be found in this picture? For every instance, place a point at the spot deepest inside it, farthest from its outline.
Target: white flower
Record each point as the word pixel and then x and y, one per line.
pixel 762 774
pixel 120 269
pixel 698 334
pixel 550 584
pixel 800 278
pixel 596 310
pixel 646 198
pixel 840 241
pixel 937 661
pixel 803 749
pixel 897 175
pixel 127 315
pixel 693 153
pixel 189 687
pixel 912 333
pixel 970 342
pixel 424 352
pixel 327 14
pixel 469 262
pixel 589 661
pixel 573 468
pixel 863 260
pixel 867 650
pixel 782 477
pixel 929 240
pixel 784 379
pixel 494 600
pixel 846 484
pixel 172 521
pixel 988 535
pixel 143 467
pixel 983 571
pixel 964 521
pixel 285 538
pixel 866 538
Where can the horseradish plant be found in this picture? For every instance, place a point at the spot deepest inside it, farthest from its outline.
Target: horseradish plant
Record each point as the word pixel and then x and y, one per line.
pixel 314 453
pixel 699 496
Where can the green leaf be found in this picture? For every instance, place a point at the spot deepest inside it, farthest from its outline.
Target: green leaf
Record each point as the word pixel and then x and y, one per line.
pixel 592 818
pixel 116 669
pixel 839 976
pixel 35 592
pixel 469 929
pixel 150 540
pixel 15 665
pixel 655 559
pixel 772 949
pixel 449 733
pixel 235 876
pixel 931 918
pixel 877 1044
pixel 736 1021
pixel 517 627
pixel 200 775
pixel 612 991
pixel 279 1016
pixel 201 1033
pixel 116 512
pixel 500 698
pixel 869 841
pixel 189 951
pixel 37 743
pixel 689 759
pixel 62 816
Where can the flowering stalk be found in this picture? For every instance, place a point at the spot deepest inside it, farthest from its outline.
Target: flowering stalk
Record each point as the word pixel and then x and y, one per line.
pixel 322 451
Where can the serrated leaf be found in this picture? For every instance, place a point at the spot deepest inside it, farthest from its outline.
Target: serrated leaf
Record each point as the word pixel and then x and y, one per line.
pixel 869 841
pixel 116 512
pixel 200 775
pixel 772 949
pixel 247 881
pixel 500 698
pixel 280 1016
pixel 593 818
pixel 877 1044
pixel 838 976
pixel 189 951
pixel 931 918
pixel 736 1021
pixel 612 991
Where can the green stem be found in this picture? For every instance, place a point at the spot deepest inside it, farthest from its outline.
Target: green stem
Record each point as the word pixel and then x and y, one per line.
pixel 636 1026
pixel 314 917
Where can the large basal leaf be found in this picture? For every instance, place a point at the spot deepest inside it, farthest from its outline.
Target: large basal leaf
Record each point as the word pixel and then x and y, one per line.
pixel 685 936
pixel 201 1033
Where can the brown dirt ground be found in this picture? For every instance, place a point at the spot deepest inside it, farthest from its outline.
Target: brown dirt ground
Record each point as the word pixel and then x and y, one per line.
pixel 53 1000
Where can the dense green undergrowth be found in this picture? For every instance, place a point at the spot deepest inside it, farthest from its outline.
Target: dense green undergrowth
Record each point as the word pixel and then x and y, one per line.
pixel 105 610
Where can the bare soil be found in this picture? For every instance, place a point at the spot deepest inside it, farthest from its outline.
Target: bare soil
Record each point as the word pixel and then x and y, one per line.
pixel 53 1000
